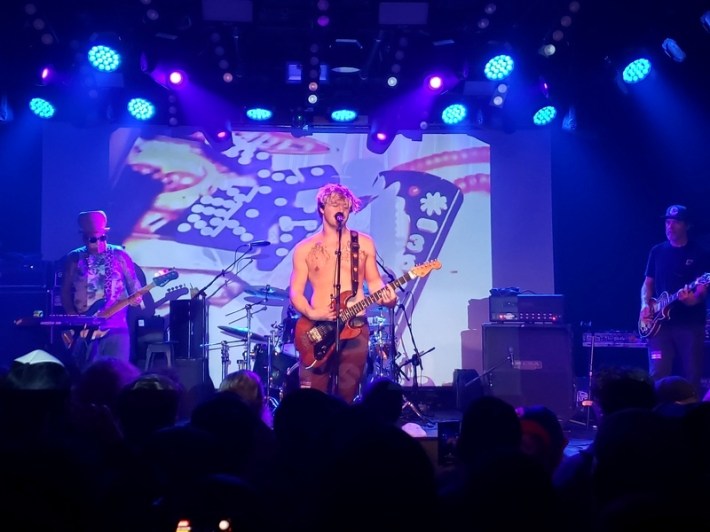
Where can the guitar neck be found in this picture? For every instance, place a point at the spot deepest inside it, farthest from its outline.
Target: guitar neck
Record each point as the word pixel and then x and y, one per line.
pixel 674 297
pixel 358 307
pixel 118 305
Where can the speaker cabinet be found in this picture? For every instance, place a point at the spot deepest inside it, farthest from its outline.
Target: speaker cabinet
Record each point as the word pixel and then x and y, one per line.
pixel 530 364
pixel 188 327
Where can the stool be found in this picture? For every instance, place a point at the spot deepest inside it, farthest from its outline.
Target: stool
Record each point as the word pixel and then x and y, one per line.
pixel 159 347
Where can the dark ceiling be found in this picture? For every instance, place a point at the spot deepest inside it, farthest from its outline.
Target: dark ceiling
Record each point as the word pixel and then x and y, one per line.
pixel 258 39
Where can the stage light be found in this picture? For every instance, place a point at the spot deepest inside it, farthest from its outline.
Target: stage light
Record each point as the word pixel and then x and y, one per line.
pixel 673 50
pixel 434 83
pixel 499 67
pixel 454 114
pixel 42 108
pixel 547 50
pixel 544 115
pixel 177 78
pixel 259 114
pixel 343 115
pixel 220 139
pixel 392 81
pixel 104 58
pixel 141 109
pixel 301 123
pixel 499 95
pixel 637 70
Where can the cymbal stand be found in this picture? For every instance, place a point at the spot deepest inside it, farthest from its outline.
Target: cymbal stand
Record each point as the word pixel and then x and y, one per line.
pixel 415 361
pixel 225 358
pixel 249 316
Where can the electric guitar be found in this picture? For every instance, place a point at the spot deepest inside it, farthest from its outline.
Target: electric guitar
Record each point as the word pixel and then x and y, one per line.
pixel 98 309
pixel 661 308
pixel 315 341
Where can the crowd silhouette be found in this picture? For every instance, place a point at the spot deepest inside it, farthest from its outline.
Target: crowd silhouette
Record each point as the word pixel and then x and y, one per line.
pixel 121 449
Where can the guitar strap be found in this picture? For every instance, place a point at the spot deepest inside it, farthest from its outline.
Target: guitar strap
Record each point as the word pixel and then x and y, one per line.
pixel 354 263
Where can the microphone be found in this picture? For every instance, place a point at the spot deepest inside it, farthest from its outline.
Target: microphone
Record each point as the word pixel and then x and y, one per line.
pixel 259 243
pixel 339 217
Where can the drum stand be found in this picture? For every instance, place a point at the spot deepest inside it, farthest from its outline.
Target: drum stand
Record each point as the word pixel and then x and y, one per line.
pixel 415 361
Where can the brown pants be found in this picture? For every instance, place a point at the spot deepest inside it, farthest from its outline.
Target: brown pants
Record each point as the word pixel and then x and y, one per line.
pixel 349 371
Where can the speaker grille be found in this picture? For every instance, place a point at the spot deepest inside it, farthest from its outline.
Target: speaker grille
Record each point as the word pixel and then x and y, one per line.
pixel 530 365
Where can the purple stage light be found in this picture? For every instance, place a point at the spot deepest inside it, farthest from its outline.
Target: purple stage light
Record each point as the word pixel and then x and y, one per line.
pixel 435 82
pixel 177 78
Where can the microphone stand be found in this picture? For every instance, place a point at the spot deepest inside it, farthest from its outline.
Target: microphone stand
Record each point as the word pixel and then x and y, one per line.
pixel 335 364
pixel 203 291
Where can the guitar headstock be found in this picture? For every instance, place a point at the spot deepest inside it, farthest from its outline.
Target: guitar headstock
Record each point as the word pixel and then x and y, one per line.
pixel 164 278
pixel 423 269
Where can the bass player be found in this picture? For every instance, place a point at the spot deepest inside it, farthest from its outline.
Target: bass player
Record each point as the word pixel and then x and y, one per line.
pixel 96 276
pixel 314 263
pixel 676 345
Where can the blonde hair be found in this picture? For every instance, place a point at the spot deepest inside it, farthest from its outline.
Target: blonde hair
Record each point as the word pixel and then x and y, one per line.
pixel 248 386
pixel 336 189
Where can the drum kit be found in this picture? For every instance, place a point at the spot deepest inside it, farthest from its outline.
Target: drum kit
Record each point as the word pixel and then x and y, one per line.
pixel 382 346
pixel 272 356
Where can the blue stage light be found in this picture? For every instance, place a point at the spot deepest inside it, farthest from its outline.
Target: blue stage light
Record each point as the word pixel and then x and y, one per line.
pixel 104 58
pixel 42 108
pixel 636 71
pixel 141 109
pixel 453 114
pixel 545 115
pixel 499 67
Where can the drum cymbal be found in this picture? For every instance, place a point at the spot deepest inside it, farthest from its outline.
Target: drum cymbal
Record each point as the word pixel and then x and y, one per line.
pixel 267 291
pixel 263 301
pixel 241 332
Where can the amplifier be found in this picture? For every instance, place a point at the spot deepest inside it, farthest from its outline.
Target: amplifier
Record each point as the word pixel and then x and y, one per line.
pixel 527 308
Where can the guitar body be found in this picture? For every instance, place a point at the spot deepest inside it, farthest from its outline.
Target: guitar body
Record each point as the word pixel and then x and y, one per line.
pixel 315 340
pixel 650 327
pixel 661 310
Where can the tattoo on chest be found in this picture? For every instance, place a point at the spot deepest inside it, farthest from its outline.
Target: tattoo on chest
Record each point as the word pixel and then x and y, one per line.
pixel 320 255
pixel 317 256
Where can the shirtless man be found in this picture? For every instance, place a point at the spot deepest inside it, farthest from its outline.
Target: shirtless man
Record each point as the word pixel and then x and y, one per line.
pixel 314 261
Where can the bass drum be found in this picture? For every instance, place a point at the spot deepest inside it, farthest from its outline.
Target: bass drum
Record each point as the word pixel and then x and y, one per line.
pixel 281 363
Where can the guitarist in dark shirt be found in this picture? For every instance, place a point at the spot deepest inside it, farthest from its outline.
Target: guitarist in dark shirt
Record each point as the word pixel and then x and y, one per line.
pixel 676 268
pixel 99 275
pixel 314 263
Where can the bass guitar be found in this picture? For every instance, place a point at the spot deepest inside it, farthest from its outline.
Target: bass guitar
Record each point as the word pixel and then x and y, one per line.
pixel 98 310
pixel 315 341
pixel 661 308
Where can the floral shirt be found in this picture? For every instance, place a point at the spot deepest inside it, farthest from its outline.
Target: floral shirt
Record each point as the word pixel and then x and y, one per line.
pixel 100 280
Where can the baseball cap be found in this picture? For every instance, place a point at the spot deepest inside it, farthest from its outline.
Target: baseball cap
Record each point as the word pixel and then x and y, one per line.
pixel 677 212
